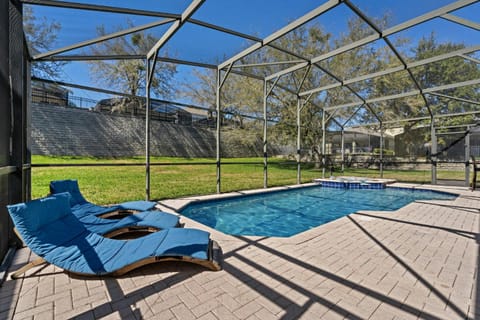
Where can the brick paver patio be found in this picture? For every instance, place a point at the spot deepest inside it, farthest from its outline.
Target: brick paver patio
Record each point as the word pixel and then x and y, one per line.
pixel 420 262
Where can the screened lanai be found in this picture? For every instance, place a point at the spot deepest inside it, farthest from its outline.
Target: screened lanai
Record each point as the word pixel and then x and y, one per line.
pixel 328 67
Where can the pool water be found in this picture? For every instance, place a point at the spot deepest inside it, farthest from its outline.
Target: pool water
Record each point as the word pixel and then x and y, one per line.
pixel 286 213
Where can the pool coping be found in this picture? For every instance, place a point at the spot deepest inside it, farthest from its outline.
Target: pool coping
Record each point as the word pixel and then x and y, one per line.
pixel 419 262
pixel 177 204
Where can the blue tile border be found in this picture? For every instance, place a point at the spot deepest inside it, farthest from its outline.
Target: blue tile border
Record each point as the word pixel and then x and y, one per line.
pixel 353 185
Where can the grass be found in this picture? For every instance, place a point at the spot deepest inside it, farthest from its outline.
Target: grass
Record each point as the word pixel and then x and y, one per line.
pixel 182 177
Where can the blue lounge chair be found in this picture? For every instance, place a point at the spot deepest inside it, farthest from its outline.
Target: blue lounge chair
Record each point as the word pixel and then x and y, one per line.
pixel 146 221
pixel 93 215
pixel 80 205
pixel 57 236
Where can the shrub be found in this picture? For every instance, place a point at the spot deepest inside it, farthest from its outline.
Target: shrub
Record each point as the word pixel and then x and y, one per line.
pixel 386 152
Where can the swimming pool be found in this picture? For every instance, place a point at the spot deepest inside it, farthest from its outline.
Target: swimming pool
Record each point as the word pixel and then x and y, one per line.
pixel 286 213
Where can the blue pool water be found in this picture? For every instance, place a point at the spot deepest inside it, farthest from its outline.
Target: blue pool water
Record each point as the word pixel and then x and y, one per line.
pixel 285 213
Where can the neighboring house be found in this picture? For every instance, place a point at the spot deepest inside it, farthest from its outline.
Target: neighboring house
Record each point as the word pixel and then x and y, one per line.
pixel 202 117
pixel 359 140
pixel 48 93
pixel 136 107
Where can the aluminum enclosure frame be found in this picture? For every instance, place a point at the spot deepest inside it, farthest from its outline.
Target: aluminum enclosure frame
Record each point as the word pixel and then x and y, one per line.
pixel 14 125
pixel 231 65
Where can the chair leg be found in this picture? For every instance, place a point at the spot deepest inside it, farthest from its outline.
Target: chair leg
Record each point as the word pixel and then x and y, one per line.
pixel 27 267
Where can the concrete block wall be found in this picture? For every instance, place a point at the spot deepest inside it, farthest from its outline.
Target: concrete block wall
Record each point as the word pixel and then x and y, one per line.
pixel 71 131
pixel 64 131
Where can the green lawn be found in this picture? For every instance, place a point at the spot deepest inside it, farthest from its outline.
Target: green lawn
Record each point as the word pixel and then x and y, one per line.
pixel 181 177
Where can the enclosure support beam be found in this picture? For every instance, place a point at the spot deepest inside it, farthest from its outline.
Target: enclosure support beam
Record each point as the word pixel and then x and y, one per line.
pixel 303 79
pixel 466 126
pixel 438 116
pixel 148 82
pixel 351 116
pixel 434 150
pixel 265 64
pixel 324 160
pixel 175 27
pixel 467 159
pixel 101 8
pixel 27 119
pixel 266 93
pixel 274 36
pixel 392 48
pixel 102 39
pixel 381 149
pixel 218 150
pixel 299 141
pixel 390 31
pixel 462 21
pixel 470 58
pixel 450 133
pixel 343 135
pixel 85 57
pixel 409 94
pixel 455 98
pixel 410 65
pixel 219 84
pixel 343 148
pixel 299 109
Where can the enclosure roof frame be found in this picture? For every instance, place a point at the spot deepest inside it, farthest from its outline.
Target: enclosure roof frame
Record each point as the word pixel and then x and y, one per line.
pixel 179 20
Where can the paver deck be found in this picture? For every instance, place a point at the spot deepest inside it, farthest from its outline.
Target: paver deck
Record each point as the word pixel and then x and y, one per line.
pixel 420 262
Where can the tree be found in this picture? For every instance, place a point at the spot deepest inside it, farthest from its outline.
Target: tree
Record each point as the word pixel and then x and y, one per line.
pixel 453 70
pixel 313 41
pixel 41 35
pixel 240 95
pixel 245 94
pixel 129 75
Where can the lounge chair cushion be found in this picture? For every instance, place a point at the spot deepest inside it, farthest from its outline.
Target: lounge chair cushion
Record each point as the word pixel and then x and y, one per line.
pixel 87 214
pixel 92 209
pixel 52 232
pixel 147 219
pixel 139 205
pixel 70 186
pixel 35 215
pixel 79 203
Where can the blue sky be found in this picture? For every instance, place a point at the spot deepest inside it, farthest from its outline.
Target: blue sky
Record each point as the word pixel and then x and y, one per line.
pixel 258 18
